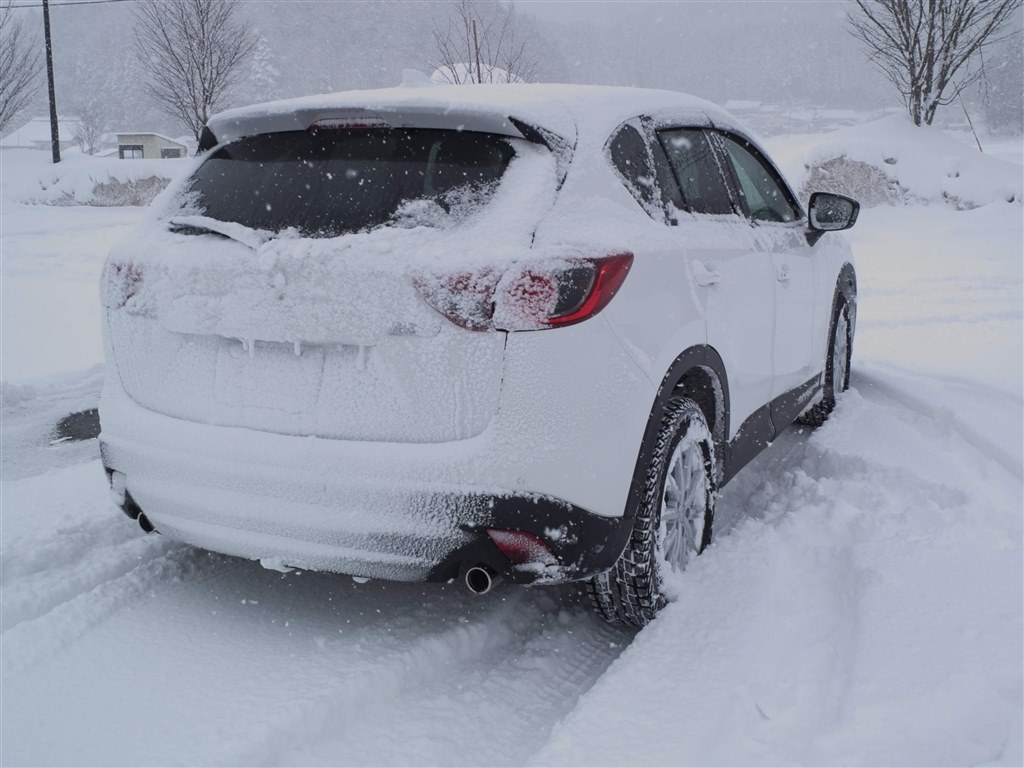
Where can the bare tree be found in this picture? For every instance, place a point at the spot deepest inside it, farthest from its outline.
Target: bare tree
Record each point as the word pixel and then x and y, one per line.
pixel 927 48
pixel 194 51
pixel 19 67
pixel 482 41
pixel 91 124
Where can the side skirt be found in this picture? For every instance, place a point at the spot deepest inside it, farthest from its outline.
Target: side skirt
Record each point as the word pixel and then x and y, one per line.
pixel 766 423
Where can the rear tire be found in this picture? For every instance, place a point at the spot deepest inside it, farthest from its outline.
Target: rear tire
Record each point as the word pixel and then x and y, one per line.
pixel 837 367
pixel 673 521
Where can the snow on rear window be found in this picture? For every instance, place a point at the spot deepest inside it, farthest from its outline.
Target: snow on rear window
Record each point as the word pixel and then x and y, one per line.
pixel 330 183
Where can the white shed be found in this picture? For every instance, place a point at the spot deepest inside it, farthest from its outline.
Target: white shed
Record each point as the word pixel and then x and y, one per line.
pixel 139 145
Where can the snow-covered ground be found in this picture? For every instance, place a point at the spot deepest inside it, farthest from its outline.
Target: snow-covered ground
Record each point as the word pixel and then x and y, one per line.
pixel 862 603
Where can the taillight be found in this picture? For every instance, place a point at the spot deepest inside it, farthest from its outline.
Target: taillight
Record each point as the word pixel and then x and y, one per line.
pixel 526 298
pixel 465 298
pixel 348 123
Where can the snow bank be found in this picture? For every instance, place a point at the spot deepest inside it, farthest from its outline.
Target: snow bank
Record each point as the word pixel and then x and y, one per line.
pixel 868 613
pixel 893 161
pixel 82 180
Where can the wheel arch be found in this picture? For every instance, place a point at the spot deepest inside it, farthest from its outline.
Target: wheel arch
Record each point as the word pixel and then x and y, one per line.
pixel 697 373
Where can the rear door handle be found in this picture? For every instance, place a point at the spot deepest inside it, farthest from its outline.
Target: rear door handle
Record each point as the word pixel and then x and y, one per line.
pixel 782 273
pixel 703 276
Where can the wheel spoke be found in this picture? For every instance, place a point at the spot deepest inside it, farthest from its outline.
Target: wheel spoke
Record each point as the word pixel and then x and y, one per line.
pixel 683 505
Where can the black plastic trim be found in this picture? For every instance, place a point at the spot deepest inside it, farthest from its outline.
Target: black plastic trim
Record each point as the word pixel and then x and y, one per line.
pixel 698 356
pixel 753 436
pixel 585 544
pixel 206 139
pixel 787 406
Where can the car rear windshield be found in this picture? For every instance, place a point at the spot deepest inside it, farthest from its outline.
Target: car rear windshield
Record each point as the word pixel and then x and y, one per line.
pixel 332 182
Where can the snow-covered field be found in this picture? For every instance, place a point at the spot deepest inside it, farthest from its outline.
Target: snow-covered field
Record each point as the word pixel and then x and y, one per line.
pixel 862 603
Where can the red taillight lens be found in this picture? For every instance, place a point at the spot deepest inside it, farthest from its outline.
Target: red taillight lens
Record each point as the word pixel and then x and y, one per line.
pixel 546 295
pixel 528 299
pixel 610 272
pixel 521 547
pixel 465 298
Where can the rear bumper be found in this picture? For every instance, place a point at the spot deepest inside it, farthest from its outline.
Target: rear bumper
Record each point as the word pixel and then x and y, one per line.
pixel 396 512
pixel 456 538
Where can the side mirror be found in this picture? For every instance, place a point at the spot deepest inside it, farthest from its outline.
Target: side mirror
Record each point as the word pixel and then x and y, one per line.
pixel 828 212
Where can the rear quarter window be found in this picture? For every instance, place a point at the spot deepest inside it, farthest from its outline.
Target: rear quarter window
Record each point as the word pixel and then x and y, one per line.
pixel 629 156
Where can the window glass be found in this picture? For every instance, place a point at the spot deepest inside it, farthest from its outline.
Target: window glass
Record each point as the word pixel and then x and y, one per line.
pixel 765 197
pixel 331 182
pixel 629 155
pixel 671 196
pixel 696 168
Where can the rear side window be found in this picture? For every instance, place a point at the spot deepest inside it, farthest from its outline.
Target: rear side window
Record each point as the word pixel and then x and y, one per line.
pixel 332 182
pixel 765 195
pixel 696 168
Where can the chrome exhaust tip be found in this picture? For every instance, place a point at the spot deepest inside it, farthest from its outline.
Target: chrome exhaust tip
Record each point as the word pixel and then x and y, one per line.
pixel 480 579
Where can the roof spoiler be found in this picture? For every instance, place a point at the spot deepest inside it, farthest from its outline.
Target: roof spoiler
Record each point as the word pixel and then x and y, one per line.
pixel 207 140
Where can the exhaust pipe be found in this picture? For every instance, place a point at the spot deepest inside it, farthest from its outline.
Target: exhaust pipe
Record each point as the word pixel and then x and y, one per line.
pixel 481 579
pixel 145 524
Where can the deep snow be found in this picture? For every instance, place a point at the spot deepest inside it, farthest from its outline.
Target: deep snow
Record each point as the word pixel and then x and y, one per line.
pixel 862 602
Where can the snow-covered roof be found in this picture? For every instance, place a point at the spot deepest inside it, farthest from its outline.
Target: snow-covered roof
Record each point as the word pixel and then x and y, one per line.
pixel 561 109
pixel 149 133
pixel 37 130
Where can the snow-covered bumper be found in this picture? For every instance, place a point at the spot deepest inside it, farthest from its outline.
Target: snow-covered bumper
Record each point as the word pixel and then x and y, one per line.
pixel 328 505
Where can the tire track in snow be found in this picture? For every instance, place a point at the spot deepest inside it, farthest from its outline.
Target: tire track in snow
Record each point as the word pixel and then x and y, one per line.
pixel 32 641
pixel 75 562
pixel 515 697
pixel 239 665
pixel 916 407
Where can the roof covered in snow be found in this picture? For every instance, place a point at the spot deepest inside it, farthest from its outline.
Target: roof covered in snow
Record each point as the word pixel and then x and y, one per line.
pixel 561 109
pixel 37 130
pixel 160 136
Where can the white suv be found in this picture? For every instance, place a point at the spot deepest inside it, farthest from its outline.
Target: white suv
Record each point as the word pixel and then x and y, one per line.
pixel 428 333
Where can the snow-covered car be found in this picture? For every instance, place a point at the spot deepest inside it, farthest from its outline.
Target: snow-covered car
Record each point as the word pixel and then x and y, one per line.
pixel 428 333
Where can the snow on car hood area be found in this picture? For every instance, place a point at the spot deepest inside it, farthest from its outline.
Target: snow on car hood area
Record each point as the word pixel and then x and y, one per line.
pixel 861 603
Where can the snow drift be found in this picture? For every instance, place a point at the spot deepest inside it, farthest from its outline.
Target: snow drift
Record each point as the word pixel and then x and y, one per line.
pixel 892 161
pixel 108 181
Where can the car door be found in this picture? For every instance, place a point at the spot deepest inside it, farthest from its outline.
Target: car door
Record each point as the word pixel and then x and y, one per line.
pixel 730 274
pixel 779 228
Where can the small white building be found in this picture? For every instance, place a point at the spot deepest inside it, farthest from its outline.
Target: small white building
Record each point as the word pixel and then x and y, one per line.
pixel 145 145
pixel 35 134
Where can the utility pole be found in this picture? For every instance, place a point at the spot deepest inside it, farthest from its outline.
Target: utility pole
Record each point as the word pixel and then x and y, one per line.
pixel 54 128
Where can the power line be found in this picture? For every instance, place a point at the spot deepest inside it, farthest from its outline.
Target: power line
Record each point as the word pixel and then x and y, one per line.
pixel 68 2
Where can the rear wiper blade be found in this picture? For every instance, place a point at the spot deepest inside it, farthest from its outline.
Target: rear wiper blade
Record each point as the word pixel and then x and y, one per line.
pixel 194 225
